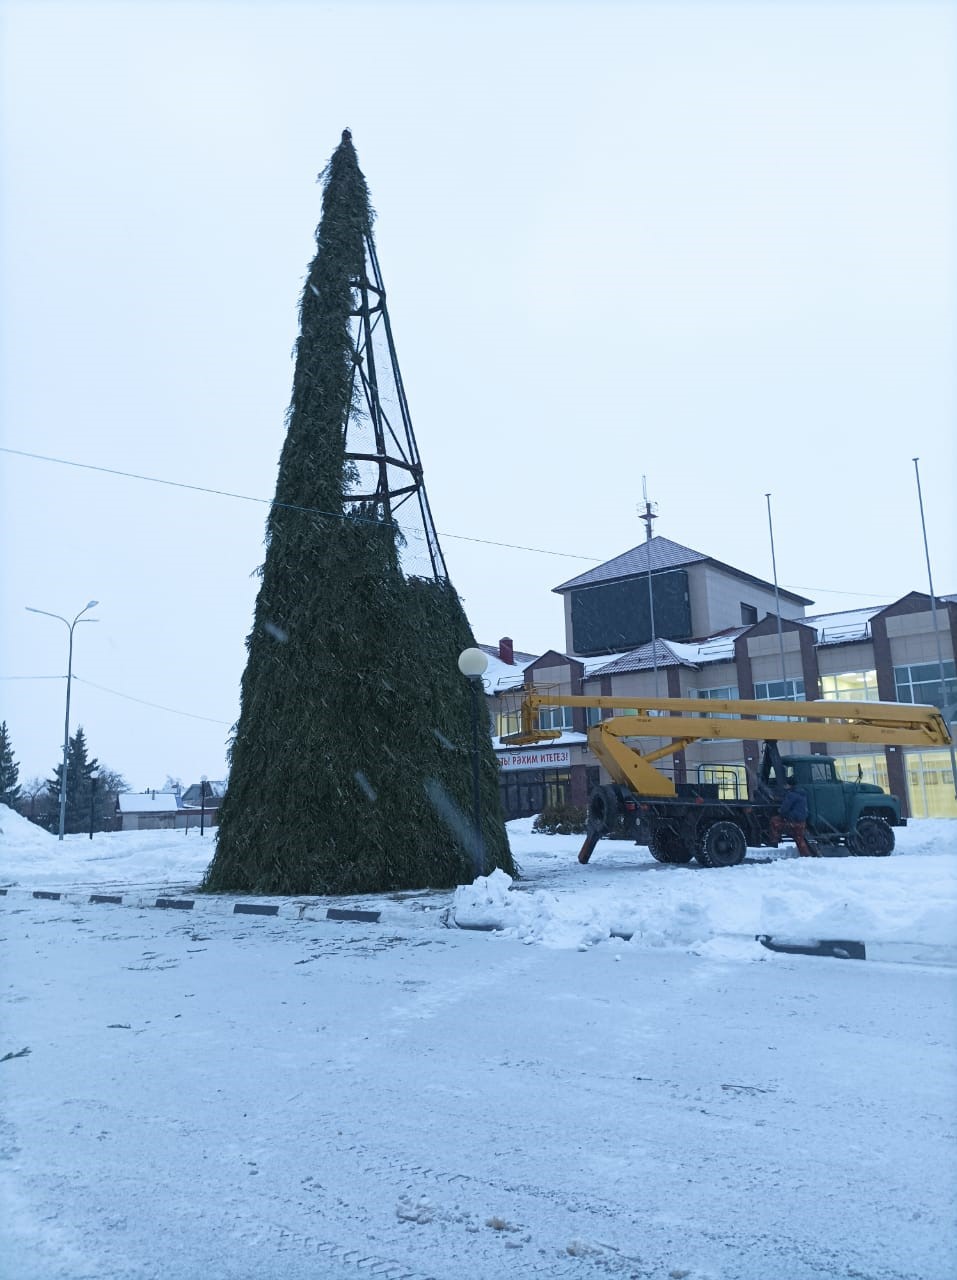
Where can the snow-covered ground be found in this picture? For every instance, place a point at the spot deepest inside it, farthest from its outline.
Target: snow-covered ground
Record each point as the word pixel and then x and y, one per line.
pixel 616 1080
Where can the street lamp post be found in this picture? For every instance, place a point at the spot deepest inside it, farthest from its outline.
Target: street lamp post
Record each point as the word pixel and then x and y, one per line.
pixel 202 804
pixel 472 664
pixel 69 677
pixel 94 778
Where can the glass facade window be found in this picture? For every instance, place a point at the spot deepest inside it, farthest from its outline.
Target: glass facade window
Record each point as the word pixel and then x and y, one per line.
pixel 870 768
pixel 722 692
pixel 507 722
pixel 850 686
pixel 920 682
pixel 779 690
pixel 930 784
pixel 555 718
pixel 529 791
pixel 731 779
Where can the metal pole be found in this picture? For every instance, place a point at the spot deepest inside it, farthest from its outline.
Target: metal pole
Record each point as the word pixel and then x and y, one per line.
pixel 69 679
pixel 933 614
pixel 92 801
pixel 479 851
pixel 202 807
pixel 648 517
pixel 777 598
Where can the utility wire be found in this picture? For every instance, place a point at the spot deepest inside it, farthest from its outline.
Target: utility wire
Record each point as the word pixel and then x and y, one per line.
pixel 338 515
pixel 142 701
pixel 289 506
pixel 128 696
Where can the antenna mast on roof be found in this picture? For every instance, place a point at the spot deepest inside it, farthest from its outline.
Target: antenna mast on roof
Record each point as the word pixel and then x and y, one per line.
pixel 649 515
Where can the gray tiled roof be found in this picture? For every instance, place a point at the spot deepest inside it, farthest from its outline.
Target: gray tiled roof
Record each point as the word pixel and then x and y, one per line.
pixel 640 659
pixel 662 553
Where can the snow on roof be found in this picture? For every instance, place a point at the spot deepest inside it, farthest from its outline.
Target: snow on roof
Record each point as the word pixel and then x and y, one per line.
pixel 848 624
pixel 148 801
pixel 673 653
pixel 501 676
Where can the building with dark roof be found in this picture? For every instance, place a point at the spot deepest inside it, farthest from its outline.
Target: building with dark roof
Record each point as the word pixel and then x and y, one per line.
pixel 664 588
pixel 717 634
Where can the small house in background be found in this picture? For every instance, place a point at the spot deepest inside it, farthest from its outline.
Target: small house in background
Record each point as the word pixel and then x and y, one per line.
pixel 149 811
pixel 203 798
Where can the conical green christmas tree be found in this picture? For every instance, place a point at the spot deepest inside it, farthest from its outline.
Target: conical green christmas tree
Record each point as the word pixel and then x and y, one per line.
pixel 351 762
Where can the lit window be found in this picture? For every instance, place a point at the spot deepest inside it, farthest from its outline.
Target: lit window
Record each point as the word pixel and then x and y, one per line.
pixel 508 722
pixel 850 686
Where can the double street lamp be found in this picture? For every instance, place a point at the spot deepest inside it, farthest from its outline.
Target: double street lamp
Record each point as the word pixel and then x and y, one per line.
pixel 472 664
pixel 69 677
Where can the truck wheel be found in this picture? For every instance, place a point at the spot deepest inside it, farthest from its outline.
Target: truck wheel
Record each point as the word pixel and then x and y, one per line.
pixel 603 809
pixel 871 838
pixel 723 844
pixel 666 845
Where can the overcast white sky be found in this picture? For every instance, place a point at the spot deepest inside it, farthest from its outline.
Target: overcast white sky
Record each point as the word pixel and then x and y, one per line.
pixel 708 243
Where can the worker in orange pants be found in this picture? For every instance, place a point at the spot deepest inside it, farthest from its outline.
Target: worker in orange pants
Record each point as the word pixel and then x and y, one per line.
pixel 792 820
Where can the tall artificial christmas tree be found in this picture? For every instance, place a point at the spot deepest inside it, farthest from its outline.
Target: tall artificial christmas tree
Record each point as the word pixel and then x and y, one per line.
pixel 351 762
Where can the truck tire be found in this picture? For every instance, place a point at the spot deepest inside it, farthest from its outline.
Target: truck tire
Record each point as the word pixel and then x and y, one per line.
pixel 723 844
pixel 666 845
pixel 603 809
pixel 871 838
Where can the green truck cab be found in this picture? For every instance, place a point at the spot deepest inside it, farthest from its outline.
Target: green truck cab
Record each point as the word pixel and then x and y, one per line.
pixel 857 814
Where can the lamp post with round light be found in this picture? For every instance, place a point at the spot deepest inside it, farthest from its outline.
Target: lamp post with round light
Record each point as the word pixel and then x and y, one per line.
pixel 69 677
pixel 472 664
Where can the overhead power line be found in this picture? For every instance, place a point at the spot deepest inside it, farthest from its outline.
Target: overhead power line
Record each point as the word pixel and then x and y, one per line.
pixel 156 705
pixel 289 506
pixel 338 515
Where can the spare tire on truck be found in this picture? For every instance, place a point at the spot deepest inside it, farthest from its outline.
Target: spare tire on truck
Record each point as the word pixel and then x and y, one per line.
pixel 722 844
pixel 604 809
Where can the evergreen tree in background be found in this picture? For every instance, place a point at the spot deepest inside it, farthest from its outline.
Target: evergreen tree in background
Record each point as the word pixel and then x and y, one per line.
pixel 79 787
pixel 351 760
pixel 9 770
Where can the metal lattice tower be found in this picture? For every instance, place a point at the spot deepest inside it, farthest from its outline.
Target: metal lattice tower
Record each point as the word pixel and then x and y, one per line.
pixel 379 441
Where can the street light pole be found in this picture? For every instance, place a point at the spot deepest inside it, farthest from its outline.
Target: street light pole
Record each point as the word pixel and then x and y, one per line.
pixel 202 804
pixel 472 664
pixel 94 778
pixel 69 678
pixel 933 615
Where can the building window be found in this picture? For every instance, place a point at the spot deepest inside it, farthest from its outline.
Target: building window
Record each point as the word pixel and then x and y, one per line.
pixel 730 779
pixel 508 722
pixel 930 784
pixel 749 614
pixel 528 791
pixel 779 690
pixel 555 718
pixel 921 682
pixel 721 691
pixel 870 768
pixel 850 686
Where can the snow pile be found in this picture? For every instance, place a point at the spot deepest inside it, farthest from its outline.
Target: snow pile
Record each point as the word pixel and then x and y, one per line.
pixel 17 832
pixel 556 902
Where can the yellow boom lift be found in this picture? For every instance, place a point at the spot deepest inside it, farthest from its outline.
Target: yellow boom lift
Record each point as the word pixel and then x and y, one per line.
pixel 680 821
